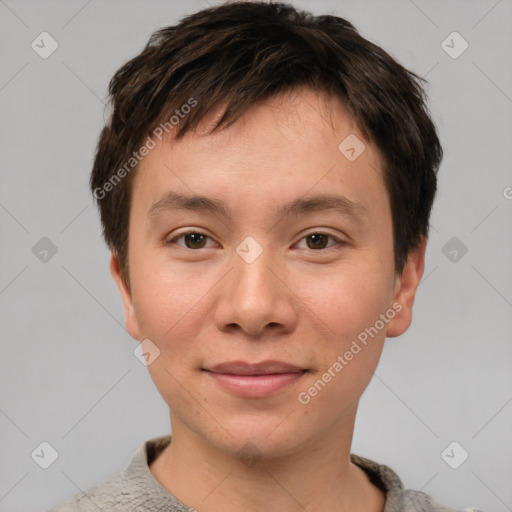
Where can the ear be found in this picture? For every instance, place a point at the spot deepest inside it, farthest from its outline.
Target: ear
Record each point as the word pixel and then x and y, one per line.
pixel 405 290
pixel 130 318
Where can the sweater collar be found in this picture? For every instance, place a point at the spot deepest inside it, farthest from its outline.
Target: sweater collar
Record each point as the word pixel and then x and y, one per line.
pixel 382 476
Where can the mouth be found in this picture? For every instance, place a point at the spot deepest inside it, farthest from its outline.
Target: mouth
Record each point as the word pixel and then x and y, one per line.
pixel 254 380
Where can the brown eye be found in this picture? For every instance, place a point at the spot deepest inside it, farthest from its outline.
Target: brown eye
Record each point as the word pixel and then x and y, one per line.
pixel 321 242
pixel 192 240
pixel 318 241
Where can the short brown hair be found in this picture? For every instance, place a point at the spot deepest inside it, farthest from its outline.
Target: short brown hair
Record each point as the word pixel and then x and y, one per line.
pixel 239 53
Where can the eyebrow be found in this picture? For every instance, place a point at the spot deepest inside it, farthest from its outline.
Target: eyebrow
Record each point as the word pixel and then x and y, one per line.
pixel 172 201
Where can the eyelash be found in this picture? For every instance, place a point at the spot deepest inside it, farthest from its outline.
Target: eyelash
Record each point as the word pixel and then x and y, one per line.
pixel 339 242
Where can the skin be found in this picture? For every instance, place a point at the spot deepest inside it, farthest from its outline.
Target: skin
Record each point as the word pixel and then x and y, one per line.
pixel 295 303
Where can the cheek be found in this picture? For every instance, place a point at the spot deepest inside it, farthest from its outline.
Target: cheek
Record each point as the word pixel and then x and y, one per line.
pixel 346 302
pixel 349 304
pixel 348 349
pixel 168 303
pixel 174 310
pixel 332 394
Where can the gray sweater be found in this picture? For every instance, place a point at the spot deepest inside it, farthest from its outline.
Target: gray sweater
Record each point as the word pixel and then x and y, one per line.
pixel 135 489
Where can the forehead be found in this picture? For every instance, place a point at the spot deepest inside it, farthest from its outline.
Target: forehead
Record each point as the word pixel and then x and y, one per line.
pixel 288 144
pixel 284 114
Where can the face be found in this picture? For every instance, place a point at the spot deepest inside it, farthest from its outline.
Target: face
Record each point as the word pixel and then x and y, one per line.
pixel 288 258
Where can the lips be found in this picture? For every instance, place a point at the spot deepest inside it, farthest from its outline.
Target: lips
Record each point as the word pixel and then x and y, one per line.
pixel 257 380
pixel 263 368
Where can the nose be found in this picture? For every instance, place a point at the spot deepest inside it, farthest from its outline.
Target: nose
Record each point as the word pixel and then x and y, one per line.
pixel 256 299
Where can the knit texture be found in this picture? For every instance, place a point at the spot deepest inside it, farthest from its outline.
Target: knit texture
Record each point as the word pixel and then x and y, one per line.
pixel 135 489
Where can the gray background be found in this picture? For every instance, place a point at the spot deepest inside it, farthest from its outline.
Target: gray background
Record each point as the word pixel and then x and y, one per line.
pixel 68 373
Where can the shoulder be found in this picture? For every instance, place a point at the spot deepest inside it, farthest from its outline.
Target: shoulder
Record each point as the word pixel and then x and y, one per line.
pixel 416 501
pixel 106 494
pixel 398 499
pixel 134 489
pixel 120 493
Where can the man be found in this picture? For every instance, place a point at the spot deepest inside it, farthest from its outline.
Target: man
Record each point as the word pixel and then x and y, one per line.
pixel 265 184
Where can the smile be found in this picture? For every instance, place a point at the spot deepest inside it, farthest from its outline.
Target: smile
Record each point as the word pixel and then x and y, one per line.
pixel 255 380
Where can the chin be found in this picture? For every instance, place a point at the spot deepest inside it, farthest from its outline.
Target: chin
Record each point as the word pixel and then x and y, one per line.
pixel 267 440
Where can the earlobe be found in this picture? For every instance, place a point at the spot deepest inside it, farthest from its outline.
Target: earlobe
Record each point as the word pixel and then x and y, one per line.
pixel 406 285
pixel 126 296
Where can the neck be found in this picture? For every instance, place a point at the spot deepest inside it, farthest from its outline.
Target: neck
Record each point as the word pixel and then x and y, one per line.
pixel 320 476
